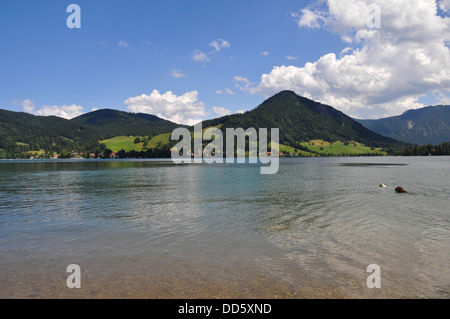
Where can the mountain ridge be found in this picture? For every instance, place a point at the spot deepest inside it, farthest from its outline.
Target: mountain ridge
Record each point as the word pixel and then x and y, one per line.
pixel 428 125
pixel 298 118
pixel 302 119
pixel 22 132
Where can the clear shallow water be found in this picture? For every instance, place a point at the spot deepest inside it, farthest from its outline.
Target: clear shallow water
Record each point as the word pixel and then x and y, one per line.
pixel 322 219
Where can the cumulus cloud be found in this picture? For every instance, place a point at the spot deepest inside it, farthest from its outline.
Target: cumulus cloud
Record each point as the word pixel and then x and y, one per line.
pixel 227 90
pixel 441 98
pixel 221 111
pixel 220 44
pixel 386 71
pixel 239 78
pixel 184 109
pixel 242 83
pixel 177 74
pixel 198 55
pixel 64 111
pixel 345 50
pixel 309 18
pixel 444 5
pixel 123 44
pixel 28 106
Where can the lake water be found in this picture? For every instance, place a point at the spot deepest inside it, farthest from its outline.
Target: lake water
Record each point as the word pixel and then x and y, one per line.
pixel 153 229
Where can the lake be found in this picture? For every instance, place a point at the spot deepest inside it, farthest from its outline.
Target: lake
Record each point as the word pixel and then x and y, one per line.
pixel 153 229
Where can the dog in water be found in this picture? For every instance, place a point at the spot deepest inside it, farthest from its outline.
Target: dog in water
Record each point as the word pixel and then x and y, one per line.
pixel 400 190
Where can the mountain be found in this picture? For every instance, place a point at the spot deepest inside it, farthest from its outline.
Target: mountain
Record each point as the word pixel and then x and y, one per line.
pixel 300 119
pixel 111 123
pixel 38 131
pixel 429 125
pixel 22 132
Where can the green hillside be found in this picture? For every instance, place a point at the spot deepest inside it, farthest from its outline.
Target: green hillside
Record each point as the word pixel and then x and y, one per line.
pixel 341 148
pixel 301 120
pixel 22 133
pixel 125 143
pixel 110 123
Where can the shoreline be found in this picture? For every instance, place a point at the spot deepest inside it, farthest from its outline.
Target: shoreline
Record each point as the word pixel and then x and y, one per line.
pixel 154 278
pixel 188 284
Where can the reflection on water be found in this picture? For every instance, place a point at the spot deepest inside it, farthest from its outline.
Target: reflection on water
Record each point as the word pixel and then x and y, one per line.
pixel 326 219
pixel 372 164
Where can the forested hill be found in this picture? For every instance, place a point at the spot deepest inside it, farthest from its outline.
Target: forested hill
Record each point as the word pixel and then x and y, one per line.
pixel 300 119
pixel 111 123
pixel 428 125
pixel 22 132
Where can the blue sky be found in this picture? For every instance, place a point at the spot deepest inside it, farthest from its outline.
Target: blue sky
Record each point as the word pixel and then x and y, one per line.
pixel 191 60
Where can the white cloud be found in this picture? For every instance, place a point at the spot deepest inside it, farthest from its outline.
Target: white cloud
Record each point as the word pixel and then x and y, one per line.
pixel 265 53
pixel 444 5
pixel 177 74
pixel 309 18
pixel 64 111
pixel 388 69
pixel 345 50
pixel 198 55
pixel 290 57
pixel 242 80
pixel 229 91
pixel 442 98
pixel 239 78
pixel 221 111
pixel 28 106
pixel 184 109
pixel 220 44
pixel 123 44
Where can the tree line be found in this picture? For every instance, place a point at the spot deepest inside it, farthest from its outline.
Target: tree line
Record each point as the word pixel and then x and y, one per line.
pixel 425 150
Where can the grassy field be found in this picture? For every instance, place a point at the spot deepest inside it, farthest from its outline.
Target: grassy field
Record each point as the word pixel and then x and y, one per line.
pixel 316 147
pixel 122 142
pixel 159 140
pixel 339 148
pixel 291 150
pixel 127 143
